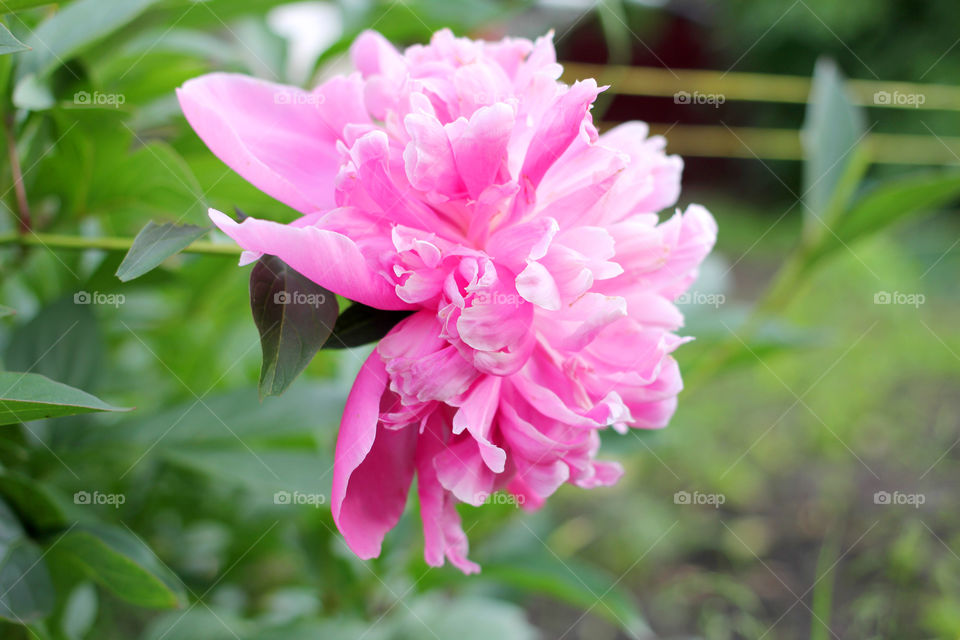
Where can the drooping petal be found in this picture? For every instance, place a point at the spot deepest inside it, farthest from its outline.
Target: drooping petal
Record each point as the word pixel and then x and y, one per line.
pixel 373 465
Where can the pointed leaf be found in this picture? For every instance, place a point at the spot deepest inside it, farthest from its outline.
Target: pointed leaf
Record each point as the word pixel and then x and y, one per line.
pixel 360 325
pixel 154 244
pixel 833 129
pixel 119 561
pixel 8 43
pixel 30 396
pixel 294 317
pixel 889 203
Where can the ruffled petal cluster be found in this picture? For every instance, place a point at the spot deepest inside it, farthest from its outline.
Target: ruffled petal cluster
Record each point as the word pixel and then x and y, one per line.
pixel 462 181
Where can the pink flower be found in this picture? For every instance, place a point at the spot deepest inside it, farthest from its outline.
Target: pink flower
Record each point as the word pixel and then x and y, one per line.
pixel 461 180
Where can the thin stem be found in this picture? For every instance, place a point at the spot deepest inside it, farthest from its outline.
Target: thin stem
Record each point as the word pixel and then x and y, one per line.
pixel 79 243
pixel 23 206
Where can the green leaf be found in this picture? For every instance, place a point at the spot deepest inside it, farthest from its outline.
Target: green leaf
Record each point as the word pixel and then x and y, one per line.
pixel 26 591
pixel 575 583
pixel 73 29
pixel 294 316
pixel 889 203
pixel 30 396
pixel 895 200
pixel 33 501
pixel 8 43
pixel 360 325
pixel 154 244
pixel 20 5
pixel 834 127
pixel 62 341
pixel 123 564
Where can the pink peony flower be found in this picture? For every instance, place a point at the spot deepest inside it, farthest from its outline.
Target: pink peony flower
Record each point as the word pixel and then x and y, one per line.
pixel 461 180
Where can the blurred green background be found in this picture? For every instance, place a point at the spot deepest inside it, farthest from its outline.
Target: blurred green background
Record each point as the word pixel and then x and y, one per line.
pixel 795 415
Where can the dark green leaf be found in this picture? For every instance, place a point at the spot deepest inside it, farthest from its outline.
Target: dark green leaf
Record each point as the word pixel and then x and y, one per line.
pixel 30 396
pixel 360 325
pixel 154 244
pixel 32 501
pixel 294 317
pixel 833 129
pixel 123 564
pixel 8 43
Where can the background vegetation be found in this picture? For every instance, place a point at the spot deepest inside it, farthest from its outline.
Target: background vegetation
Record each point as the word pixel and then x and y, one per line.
pixel 807 393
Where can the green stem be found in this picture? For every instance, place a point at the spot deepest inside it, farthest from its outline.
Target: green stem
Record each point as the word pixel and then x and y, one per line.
pixel 79 243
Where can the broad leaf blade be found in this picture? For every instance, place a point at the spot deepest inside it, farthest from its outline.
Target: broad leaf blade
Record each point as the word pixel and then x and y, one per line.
pixel 30 396
pixel 833 129
pixel 294 316
pixel 9 43
pixel 154 244
pixel 360 325
pixel 123 564
pixel 890 203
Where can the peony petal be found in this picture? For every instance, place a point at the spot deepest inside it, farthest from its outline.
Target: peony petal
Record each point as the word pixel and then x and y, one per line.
pixel 373 466
pixel 272 135
pixel 330 259
pixel 442 534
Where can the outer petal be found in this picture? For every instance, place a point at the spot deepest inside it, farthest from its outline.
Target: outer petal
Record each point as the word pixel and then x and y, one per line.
pixel 373 466
pixel 271 134
pixel 330 259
